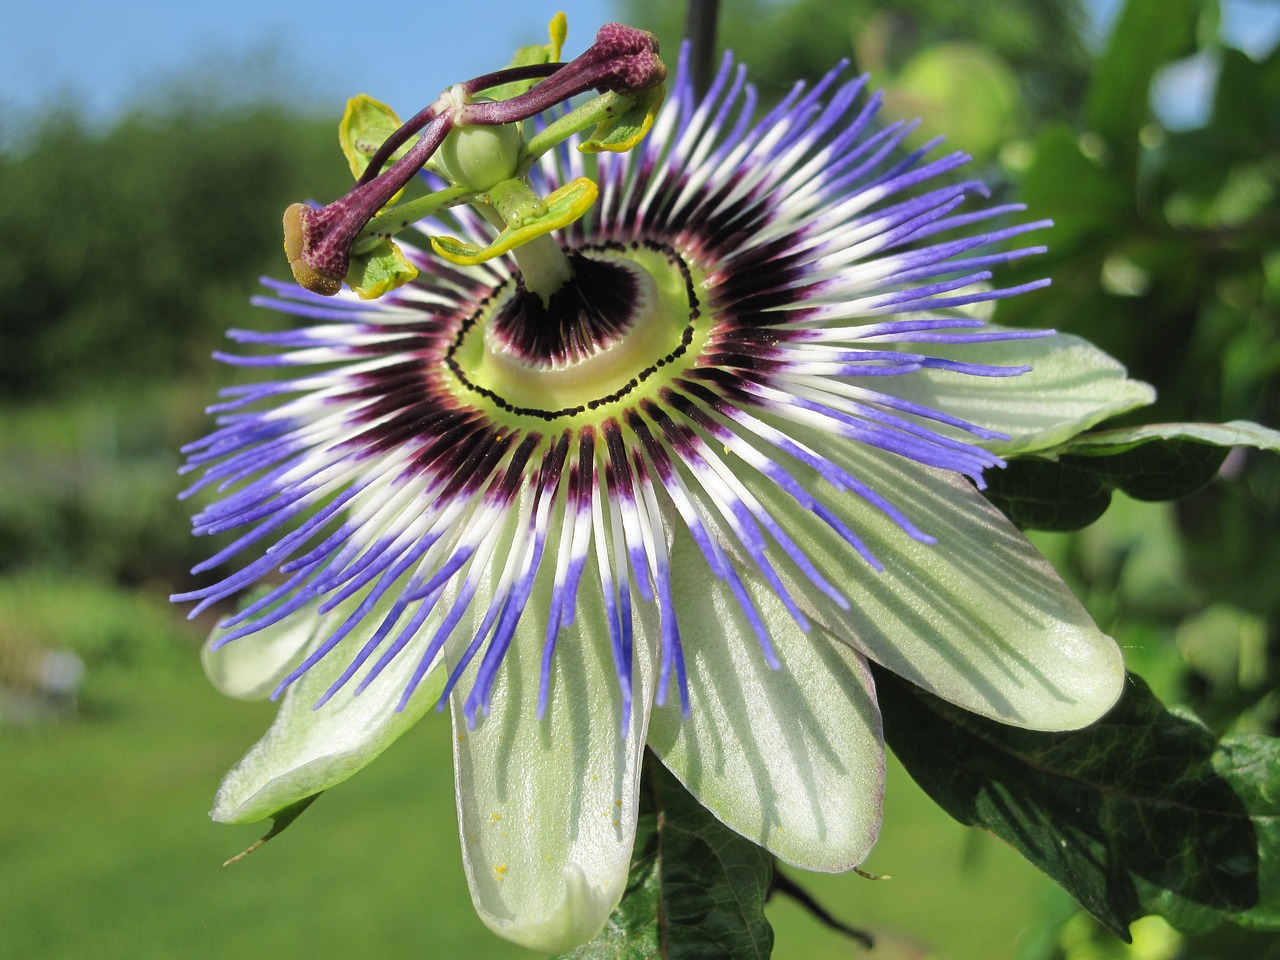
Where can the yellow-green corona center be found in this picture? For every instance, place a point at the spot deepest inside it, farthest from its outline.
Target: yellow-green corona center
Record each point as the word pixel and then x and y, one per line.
pixel 625 322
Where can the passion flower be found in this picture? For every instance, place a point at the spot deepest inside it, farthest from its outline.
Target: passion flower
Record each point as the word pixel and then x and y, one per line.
pixel 668 473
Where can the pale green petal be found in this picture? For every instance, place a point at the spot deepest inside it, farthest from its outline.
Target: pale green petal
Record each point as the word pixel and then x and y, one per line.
pixel 251 667
pixel 790 758
pixel 307 750
pixel 547 808
pixel 1072 386
pixel 978 618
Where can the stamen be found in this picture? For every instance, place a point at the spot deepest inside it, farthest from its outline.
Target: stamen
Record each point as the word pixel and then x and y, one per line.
pixel 319 243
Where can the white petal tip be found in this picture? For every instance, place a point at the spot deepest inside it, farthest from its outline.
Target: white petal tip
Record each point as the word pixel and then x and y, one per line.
pixel 580 912
pixel 251 667
pixel 1082 689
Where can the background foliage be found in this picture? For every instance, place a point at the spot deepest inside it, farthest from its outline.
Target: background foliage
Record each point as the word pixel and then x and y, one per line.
pixel 128 251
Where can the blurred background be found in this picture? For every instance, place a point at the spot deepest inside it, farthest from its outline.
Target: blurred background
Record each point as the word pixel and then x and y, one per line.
pixel 145 157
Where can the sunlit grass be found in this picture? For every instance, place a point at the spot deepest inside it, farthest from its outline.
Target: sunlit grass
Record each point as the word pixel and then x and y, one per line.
pixel 107 851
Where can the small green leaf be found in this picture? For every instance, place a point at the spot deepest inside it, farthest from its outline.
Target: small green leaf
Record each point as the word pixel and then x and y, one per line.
pixel 1143 812
pixel 379 271
pixel 1164 461
pixel 696 888
pixel 1056 495
pixel 1148 34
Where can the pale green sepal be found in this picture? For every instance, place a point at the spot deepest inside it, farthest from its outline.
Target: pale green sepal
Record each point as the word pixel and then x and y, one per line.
pixel 1237 433
pixel 251 667
pixel 547 807
pixel 560 209
pixel 365 126
pixel 792 759
pixel 621 130
pixel 307 751
pixel 1072 385
pixel 978 618
pixel 379 271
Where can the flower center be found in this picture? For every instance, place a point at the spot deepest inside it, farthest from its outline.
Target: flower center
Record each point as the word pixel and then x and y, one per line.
pixel 625 314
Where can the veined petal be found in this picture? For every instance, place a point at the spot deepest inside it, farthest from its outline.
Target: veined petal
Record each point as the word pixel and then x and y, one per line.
pixel 308 750
pixel 1071 385
pixel 547 806
pixel 978 617
pixel 791 758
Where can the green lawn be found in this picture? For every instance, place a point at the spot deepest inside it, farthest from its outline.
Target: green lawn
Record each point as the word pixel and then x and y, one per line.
pixel 106 851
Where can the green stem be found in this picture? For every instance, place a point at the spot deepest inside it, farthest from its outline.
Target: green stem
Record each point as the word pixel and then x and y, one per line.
pixel 543 266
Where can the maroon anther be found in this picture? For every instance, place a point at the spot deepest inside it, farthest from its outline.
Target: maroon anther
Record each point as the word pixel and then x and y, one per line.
pixel 622 60
pixel 318 242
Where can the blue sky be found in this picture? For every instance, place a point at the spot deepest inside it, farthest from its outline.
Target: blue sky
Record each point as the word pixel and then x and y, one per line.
pixel 105 55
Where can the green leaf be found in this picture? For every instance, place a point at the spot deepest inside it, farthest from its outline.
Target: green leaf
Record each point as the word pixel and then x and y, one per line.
pixel 1148 34
pixel 696 888
pixel 1143 812
pixel 1236 433
pixel 1083 198
pixel 1056 495
pixel 1164 461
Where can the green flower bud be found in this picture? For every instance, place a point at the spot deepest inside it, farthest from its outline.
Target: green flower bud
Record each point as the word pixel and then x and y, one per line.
pixel 480 157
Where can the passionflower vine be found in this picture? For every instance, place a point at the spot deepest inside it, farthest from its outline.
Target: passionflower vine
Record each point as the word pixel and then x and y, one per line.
pixel 661 451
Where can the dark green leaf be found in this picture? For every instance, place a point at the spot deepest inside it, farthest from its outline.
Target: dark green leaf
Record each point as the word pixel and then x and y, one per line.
pixel 1163 461
pixel 1084 199
pixel 1148 34
pixel 1071 492
pixel 696 889
pixel 1038 494
pixel 1143 812
pixel 1246 115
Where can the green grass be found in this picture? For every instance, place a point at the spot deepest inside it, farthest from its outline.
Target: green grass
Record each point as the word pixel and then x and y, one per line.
pixel 106 851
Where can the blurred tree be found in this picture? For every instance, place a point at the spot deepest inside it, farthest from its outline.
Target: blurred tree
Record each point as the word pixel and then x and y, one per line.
pixel 128 253
pixel 1037 41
